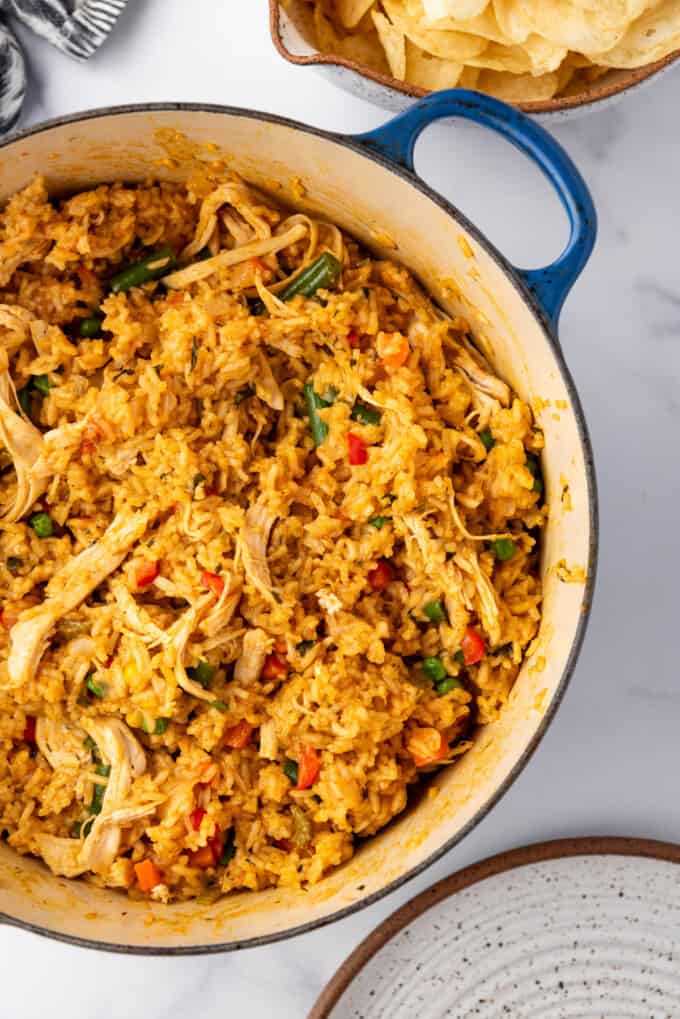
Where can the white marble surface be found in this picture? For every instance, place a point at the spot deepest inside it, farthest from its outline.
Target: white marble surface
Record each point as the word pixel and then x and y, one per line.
pixel 610 762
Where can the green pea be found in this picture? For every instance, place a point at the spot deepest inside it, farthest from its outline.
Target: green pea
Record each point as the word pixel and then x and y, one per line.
pixel 379 522
pixel 504 548
pixel 487 439
pixel 202 673
pixel 41 524
pixel 434 610
pixel 290 769
pixel 448 684
pixel 98 689
pixel 433 668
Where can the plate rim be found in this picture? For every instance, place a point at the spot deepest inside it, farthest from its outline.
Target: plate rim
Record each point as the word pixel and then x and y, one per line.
pixel 509 859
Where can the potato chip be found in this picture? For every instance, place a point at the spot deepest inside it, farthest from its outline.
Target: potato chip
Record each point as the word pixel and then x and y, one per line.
pixel 454 46
pixel 430 72
pixel 350 12
pixel 650 38
pixel 537 56
pixel 518 88
pixel 561 22
pixel 461 10
pixel 519 50
pixel 394 44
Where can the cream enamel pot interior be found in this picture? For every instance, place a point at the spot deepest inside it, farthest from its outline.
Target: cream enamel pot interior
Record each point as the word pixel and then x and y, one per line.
pixel 367 186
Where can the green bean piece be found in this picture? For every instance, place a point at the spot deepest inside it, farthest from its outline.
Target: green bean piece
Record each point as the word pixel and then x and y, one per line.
pixel 153 267
pixel 448 684
pixel 290 770
pixel 459 658
pixel 202 673
pixel 304 647
pixel 158 728
pixel 41 524
pixel 487 440
pixel 25 401
pixel 97 798
pixel 219 705
pixel 504 549
pixel 41 384
pixel 534 466
pixel 321 274
pixel 434 610
pixel 90 327
pixel 98 689
pixel 365 415
pixel 14 563
pixel 228 848
pixel 379 522
pixel 433 668
pixel 314 402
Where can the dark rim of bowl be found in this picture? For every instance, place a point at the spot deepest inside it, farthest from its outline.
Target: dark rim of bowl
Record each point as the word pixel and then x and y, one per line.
pixel 597 94
pixel 591 567
pixel 558 849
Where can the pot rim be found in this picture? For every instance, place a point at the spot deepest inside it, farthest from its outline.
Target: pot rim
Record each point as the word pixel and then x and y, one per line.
pixel 509 859
pixel 599 93
pixel 550 337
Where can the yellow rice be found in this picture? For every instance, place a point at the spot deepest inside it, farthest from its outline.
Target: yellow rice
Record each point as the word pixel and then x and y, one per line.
pixel 186 421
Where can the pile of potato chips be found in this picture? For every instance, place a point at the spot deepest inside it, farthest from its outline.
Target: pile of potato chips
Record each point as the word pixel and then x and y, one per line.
pixel 518 50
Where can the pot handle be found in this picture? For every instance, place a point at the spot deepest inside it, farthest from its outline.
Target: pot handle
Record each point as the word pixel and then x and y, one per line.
pixel 396 140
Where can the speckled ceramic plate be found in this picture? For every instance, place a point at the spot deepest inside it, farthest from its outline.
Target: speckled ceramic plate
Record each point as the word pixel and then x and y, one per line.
pixel 573 929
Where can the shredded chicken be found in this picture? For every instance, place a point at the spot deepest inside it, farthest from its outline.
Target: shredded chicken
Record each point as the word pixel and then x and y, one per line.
pixel 488 605
pixel 266 385
pixel 25 445
pixel 137 618
pixel 469 362
pixel 254 538
pixel 232 256
pixel 61 745
pixel 70 586
pixel 269 741
pixel 96 852
pixel 256 646
pixel 328 601
pixel 231 194
pixel 179 634
pixel 222 612
pixel 431 549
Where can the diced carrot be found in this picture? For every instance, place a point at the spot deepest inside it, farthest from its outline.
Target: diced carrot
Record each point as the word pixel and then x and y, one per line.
pixel 393 349
pixel 147 572
pixel 203 857
pixel 358 454
pixel 148 875
pixel 239 735
pixel 473 646
pixel 308 768
pixel 421 762
pixel 280 647
pixel 381 576
pixel 29 729
pixel 196 816
pixel 274 668
pixel 213 581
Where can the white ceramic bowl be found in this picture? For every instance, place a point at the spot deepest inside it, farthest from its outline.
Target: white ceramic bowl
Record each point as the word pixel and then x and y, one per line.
pixel 352 182
pixel 394 95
